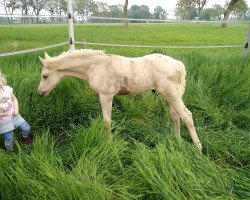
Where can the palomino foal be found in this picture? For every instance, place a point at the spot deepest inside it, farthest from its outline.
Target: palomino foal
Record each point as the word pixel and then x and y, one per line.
pixel 110 75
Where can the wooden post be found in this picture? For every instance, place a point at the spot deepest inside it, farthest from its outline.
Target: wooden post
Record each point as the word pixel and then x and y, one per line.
pixel 71 25
pixel 246 43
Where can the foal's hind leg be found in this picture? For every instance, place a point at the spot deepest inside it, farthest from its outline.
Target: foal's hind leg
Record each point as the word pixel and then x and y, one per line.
pixel 176 106
pixel 106 103
pixel 186 117
pixel 176 120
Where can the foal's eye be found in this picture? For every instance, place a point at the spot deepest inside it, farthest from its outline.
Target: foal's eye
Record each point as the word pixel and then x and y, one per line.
pixel 45 76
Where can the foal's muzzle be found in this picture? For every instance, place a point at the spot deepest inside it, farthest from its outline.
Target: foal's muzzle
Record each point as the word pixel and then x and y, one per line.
pixel 42 93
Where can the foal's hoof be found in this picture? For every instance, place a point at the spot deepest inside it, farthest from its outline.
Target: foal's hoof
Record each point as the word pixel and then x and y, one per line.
pixel 199 146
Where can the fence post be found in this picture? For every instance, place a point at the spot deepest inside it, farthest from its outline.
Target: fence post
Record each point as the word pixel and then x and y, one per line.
pixel 71 25
pixel 246 43
pixel 84 44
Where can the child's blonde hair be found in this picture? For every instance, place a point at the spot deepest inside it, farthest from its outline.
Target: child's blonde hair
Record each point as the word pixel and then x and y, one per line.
pixel 3 80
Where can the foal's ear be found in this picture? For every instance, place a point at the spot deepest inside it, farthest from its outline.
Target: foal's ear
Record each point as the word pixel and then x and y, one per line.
pixel 46 56
pixel 41 59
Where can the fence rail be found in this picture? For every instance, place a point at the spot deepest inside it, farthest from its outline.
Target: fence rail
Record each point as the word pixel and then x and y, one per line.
pixel 84 43
pixel 86 19
pixel 159 47
pixel 31 50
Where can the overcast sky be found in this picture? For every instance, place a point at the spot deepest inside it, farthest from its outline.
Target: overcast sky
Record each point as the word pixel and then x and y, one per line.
pixel 168 5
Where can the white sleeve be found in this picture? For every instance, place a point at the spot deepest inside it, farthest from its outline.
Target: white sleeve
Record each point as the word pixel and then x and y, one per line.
pixel 10 89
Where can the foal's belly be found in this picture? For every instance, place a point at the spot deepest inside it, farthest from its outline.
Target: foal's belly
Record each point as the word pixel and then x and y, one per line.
pixel 133 89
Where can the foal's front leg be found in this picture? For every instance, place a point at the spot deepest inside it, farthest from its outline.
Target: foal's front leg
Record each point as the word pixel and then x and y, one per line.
pixel 106 103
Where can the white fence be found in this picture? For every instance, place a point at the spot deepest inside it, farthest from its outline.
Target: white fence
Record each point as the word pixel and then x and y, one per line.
pixel 17 18
pixel 84 43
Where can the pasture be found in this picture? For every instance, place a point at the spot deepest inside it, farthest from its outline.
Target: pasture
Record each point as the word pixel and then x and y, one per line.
pixel 74 158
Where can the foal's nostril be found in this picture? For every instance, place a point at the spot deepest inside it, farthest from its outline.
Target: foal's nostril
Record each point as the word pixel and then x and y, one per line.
pixel 42 93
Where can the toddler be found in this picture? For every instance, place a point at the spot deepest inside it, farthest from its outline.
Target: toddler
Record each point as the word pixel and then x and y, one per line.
pixel 10 117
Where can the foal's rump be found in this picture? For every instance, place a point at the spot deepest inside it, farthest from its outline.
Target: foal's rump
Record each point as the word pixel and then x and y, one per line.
pixel 168 74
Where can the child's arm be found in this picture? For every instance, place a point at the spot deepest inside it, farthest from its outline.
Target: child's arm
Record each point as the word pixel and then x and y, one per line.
pixel 15 104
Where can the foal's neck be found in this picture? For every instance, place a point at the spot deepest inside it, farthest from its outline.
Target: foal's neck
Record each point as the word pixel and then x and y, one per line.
pixel 81 66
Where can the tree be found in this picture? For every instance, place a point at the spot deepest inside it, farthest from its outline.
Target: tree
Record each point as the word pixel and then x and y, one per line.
pixel 140 12
pixel 159 13
pixel 240 9
pixel 247 16
pixel 100 9
pixel 125 9
pixel 190 9
pixel 208 14
pixel 116 11
pixel 104 10
pixel 84 7
pixel 134 11
pixel 185 9
pixel 9 7
pixel 4 5
pixel 200 4
pixel 62 7
pixel 144 12
pixel 213 13
pixel 52 7
pixel 218 11
pixel 38 5
pixel 227 12
pixel 25 7
pixel 56 7
pixel 12 6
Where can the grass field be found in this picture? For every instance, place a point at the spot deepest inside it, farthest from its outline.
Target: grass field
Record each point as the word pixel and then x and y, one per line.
pixel 74 158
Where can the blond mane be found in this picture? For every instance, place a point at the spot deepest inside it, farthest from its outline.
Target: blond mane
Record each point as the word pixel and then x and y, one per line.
pixel 53 62
pixel 79 53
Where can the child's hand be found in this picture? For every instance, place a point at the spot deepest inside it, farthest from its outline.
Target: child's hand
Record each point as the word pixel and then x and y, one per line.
pixel 15 112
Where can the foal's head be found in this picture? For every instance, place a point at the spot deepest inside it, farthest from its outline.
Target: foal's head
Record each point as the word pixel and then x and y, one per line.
pixel 50 75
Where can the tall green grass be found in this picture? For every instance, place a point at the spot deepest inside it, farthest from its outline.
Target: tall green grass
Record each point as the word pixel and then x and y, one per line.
pixel 73 156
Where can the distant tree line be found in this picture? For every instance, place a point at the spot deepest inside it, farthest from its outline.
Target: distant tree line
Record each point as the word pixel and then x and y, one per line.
pixel 81 8
pixel 185 9
pixel 194 9
pixel 33 7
